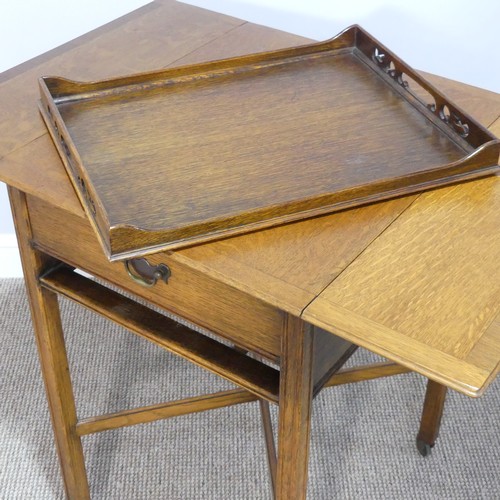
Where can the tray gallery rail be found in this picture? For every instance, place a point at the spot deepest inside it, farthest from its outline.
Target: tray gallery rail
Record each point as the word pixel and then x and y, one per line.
pixel 181 156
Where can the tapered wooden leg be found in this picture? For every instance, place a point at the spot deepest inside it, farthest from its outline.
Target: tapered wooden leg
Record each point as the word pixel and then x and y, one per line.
pixel 52 353
pixel 267 426
pixel 431 417
pixel 295 398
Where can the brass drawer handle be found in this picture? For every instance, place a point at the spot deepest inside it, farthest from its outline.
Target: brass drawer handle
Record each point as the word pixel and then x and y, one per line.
pixel 142 272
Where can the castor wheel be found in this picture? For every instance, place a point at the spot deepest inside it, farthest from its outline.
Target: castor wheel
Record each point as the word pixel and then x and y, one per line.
pixel 424 448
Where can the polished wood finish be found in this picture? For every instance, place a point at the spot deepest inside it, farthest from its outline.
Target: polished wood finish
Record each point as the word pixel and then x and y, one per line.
pixel 52 355
pixel 204 351
pixel 27 155
pixel 132 44
pixel 366 372
pixel 206 402
pixel 190 293
pixel 296 391
pixel 495 126
pixel 431 416
pixel 427 289
pixel 290 265
pixel 232 364
pixel 480 103
pixel 267 427
pixel 273 141
pixel 310 256
pixel 286 267
pixel 241 287
pixel 161 411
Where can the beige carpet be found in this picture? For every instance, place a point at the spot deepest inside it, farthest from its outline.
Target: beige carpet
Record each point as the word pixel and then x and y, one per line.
pixel 362 439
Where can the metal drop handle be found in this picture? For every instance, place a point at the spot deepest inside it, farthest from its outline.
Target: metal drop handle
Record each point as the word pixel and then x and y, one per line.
pixel 143 273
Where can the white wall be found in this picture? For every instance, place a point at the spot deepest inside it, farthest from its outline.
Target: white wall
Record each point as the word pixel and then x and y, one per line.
pixel 452 38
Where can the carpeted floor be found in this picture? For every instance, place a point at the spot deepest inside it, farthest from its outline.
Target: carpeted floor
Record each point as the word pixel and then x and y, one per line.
pixel 362 439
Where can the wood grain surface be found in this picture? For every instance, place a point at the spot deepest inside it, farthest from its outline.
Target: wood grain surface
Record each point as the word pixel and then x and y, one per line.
pixel 295 409
pixel 221 359
pixel 149 38
pixel 194 295
pixel 431 280
pixel 275 264
pixel 185 155
pixel 306 255
pixel 495 127
pixel 286 267
pixel 53 359
pixel 254 288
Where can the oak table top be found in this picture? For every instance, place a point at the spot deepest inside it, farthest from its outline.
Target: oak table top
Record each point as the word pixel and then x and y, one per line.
pixel 415 279
pixel 181 156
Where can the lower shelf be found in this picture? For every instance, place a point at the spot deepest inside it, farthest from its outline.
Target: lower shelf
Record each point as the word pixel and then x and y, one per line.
pixel 235 366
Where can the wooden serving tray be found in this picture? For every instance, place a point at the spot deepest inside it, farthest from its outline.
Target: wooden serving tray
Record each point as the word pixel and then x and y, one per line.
pixel 185 155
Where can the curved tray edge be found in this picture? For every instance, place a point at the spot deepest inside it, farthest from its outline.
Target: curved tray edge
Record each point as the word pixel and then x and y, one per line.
pixel 126 239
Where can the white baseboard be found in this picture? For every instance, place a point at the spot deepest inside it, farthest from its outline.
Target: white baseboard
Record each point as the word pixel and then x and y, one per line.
pixel 10 263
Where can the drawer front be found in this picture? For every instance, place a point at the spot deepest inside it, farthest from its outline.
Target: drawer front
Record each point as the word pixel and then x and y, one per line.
pixel 228 312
